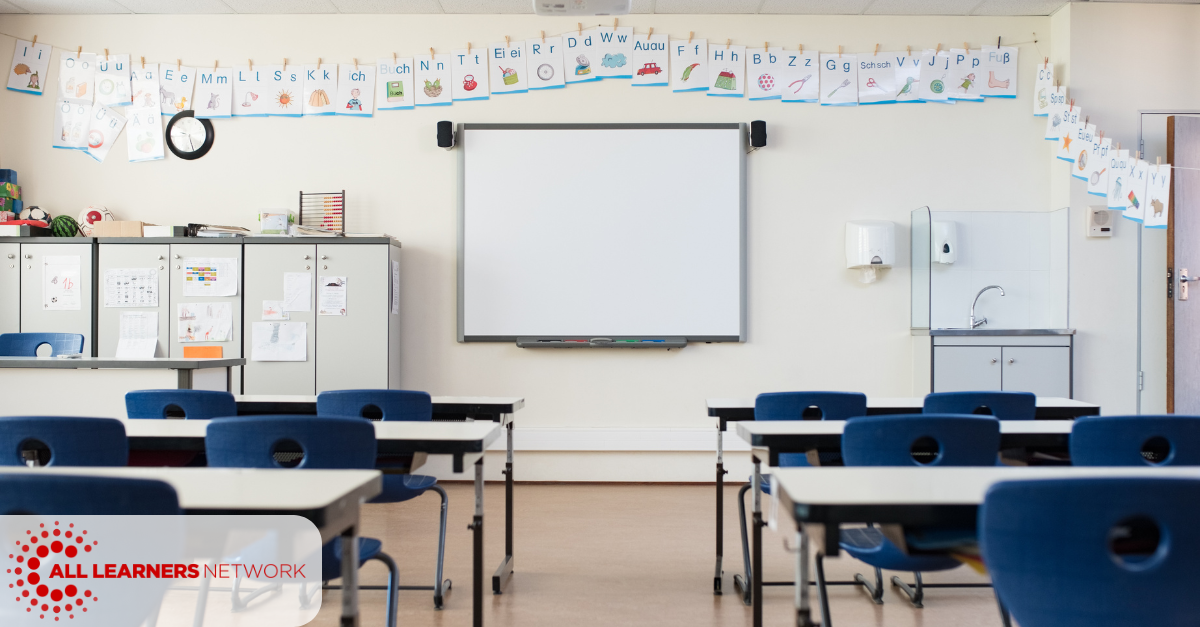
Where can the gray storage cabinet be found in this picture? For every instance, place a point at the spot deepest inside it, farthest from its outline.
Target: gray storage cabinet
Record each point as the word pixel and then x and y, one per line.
pixel 1029 363
pixel 30 254
pixel 213 247
pixel 358 350
pixel 10 287
pixel 120 256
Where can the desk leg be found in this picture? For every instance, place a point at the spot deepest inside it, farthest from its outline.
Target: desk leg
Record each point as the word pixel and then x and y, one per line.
pixel 350 577
pixel 756 542
pixel 500 578
pixel 803 604
pixel 717 573
pixel 477 527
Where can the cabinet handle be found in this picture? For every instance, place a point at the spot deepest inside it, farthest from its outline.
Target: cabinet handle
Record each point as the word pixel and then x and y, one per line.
pixel 307 268
pixel 324 257
pixel 177 256
pixel 178 267
pixel 1011 361
pixel 306 257
pixel 160 267
pixel 28 256
pixel 994 360
pixel 324 267
pixel 11 256
pixel 160 257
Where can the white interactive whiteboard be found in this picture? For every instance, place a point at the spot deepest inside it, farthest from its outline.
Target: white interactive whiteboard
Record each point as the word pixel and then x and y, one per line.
pixel 601 230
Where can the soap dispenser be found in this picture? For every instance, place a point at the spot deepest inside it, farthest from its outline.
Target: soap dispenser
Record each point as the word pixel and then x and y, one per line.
pixel 944 243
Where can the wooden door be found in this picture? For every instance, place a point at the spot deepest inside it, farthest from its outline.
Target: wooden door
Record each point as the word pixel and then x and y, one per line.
pixel 1183 252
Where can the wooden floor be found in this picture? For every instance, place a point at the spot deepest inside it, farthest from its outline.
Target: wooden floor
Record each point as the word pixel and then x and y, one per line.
pixel 604 555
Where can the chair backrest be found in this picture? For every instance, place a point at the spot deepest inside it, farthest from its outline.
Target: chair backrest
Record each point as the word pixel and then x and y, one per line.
pixel 61 495
pixel 190 404
pixel 26 344
pixel 376 404
pixel 921 440
pixel 1170 440
pixel 291 442
pixel 1002 405
pixel 809 405
pixel 1097 552
pixel 63 441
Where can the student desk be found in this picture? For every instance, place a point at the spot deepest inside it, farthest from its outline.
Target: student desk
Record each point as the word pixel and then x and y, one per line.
pixel 727 410
pixel 96 386
pixel 496 409
pixel 825 498
pixel 460 439
pixel 328 498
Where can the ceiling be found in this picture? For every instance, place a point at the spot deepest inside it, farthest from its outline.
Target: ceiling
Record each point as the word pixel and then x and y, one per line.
pixel 690 7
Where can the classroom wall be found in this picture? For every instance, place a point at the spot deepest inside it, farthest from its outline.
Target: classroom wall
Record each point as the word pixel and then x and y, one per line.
pixel 811 324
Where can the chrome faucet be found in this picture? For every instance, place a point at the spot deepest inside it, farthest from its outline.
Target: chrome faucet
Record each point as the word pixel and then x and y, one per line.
pixel 982 321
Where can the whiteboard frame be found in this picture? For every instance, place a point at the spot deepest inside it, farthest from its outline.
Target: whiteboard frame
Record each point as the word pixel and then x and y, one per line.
pixel 460 142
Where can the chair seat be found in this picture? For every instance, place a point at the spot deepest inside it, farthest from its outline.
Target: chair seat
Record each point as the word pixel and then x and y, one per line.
pixel 397 488
pixel 869 545
pixel 331 556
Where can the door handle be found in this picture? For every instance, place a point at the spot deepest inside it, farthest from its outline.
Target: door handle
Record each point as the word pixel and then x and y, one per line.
pixel 1183 283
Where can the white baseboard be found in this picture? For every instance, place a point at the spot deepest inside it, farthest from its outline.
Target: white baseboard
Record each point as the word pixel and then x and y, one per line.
pixel 619 439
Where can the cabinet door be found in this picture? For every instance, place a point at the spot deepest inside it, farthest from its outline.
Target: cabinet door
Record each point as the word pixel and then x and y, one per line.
pixel 36 316
pixel 180 255
pixel 10 288
pixel 352 349
pixel 108 325
pixel 265 267
pixel 1043 370
pixel 966 368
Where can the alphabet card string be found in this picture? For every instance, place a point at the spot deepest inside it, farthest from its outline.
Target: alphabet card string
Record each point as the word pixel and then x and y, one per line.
pixel 1136 196
pixel 285 88
pixel 762 72
pixel 1044 88
pixel 544 58
pixel 1119 168
pixel 214 93
pixel 112 81
pixel 320 89
pixel 355 90
pixel 394 85
pixel 935 76
pixel 728 75
pixel 432 79
pixel 877 78
pixel 650 61
pixel 689 65
pixel 507 71
pixel 469 73
pixel 1158 196
pixel 839 77
pixel 614 48
pixel 175 87
pixel 30 63
pixel 964 75
pixel 800 77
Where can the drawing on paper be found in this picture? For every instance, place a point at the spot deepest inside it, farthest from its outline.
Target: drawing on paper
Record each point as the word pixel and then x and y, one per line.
pixel 907 89
pixel 796 86
pixel 283 99
pixel 354 102
pixel 249 100
pixel 649 68
pixel 1134 201
pixel 80 90
pixel 1117 189
pixel 545 71
pixel 395 91
pixel 434 89
pixel 845 83
pixel 1158 206
pixel 996 83
pixel 214 101
pixel 937 86
pixel 469 83
pixel 687 72
pixel 1095 180
pixel 145 97
pixel 182 104
pixel 318 98
pixel 107 86
pixel 766 82
pixel 95 139
pixel 582 65
pixel 1042 104
pixel 726 80
pixel 509 75
pixel 145 142
pixel 166 96
pixel 968 81
pixel 1056 120
pixel 613 60
pixel 1066 142
pixel 1081 160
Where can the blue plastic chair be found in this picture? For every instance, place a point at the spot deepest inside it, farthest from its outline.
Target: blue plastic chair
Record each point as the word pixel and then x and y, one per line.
pixel 189 404
pixel 304 442
pixel 1002 405
pixel 389 405
pixel 793 406
pixel 26 344
pixel 1170 440
pixel 1097 552
pixel 911 440
pixel 61 495
pixel 62 441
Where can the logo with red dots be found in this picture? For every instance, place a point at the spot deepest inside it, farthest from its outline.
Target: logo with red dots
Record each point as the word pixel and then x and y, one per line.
pixel 33 587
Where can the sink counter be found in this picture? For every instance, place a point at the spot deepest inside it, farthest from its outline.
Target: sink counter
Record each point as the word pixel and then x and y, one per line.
pixel 992 332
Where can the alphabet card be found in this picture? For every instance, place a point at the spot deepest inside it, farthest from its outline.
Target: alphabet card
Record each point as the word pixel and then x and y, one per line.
pixel 29 66
pixel 356 90
pixel 935 76
pixel 650 61
pixel 614 48
pixel 214 93
pixel 689 65
pixel 908 77
pixel 762 73
pixel 433 79
pixel 469 74
pixel 1097 168
pixel 965 71
pixel 112 81
pixel 728 75
pixel 1061 120
pixel 1070 124
pixel 1055 111
pixel 545 60
pixel 839 80
pixel 800 79
pixel 105 127
pixel 1043 89
pixel 144 86
pixel 579 56
pixel 249 92
pixel 77 77
pixel 285 89
pixel 1000 64
pixel 1158 196
pixel 507 73
pixel 394 85
pixel 1079 148
pixel 877 78
pixel 320 86
pixel 145 137
pixel 175 87
pixel 1136 186
pixel 71 123
pixel 1119 167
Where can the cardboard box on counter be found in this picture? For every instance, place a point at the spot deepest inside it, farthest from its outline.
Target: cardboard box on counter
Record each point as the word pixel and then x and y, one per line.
pixel 118 228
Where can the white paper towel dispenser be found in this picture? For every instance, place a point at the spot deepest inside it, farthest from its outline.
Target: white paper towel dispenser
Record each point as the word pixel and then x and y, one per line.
pixel 944 242
pixel 870 244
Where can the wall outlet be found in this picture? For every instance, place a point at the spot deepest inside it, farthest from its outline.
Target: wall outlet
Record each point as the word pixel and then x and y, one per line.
pixel 1100 222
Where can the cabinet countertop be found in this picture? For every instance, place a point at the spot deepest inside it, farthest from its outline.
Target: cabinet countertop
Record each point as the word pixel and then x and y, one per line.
pixel 992 332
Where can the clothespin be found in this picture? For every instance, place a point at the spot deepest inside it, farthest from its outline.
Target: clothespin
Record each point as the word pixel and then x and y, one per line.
pixel 178 65
pixel 318 63
pixel 966 46
pixel 579 26
pixel 1072 109
pixel 431 51
pixel 356 64
pixel 801 48
pixel 876 49
pixel 506 42
pixel 143 63
pixel 285 64
pixel 839 52
pixel 1157 164
pixel 1118 145
pixel 997 42
pixel 250 63
pixel 79 51
pixel 727 43
pixel 690 33
pixel 468 52
pixel 1045 62
pixel 938 51
pixel 215 62
pixel 614 23
pixel 106 54
pixel 1086 119
pixel 394 61
pixel 651 33
pixel 544 37
pixel 35 40
pixel 909 49
pixel 766 45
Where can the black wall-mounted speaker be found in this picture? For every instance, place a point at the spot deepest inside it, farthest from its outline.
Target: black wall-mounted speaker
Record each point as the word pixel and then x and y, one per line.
pixel 758 134
pixel 445 134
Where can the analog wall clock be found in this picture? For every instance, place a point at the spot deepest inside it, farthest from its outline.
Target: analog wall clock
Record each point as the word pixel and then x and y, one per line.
pixel 189 137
